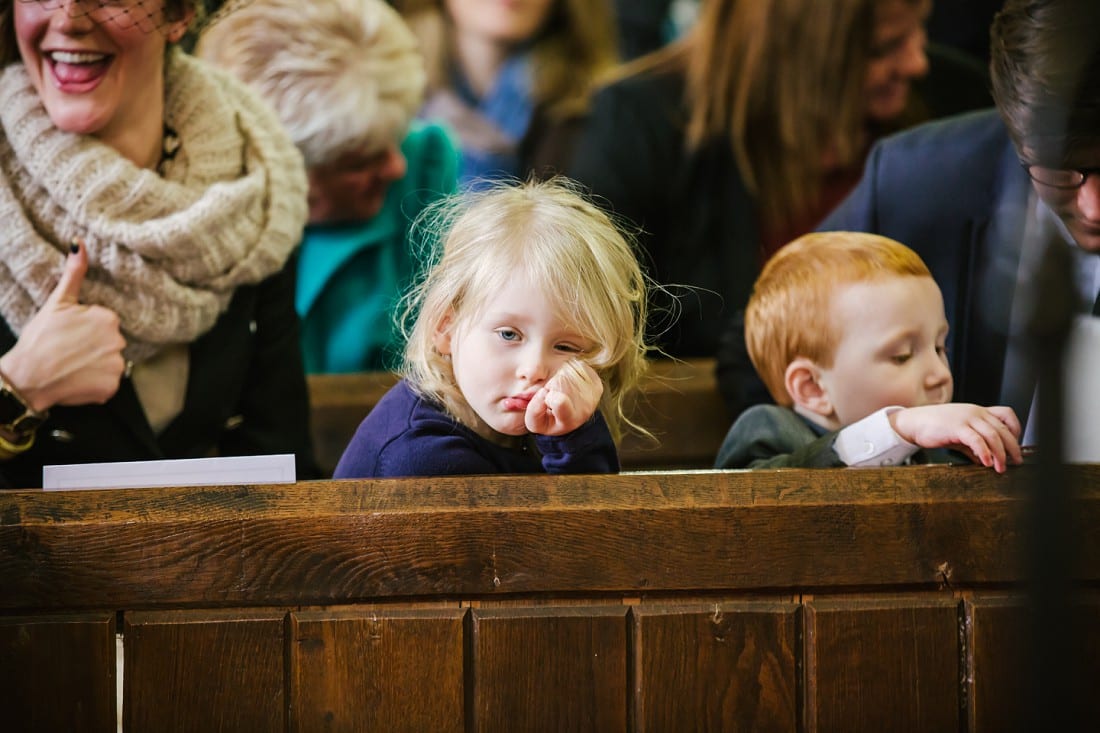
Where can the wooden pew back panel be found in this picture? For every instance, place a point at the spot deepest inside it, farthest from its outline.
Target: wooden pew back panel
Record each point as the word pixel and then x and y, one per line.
pixel 862 600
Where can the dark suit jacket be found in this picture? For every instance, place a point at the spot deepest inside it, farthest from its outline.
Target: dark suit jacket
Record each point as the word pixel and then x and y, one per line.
pixel 699 222
pixel 769 436
pixel 246 395
pixel 955 192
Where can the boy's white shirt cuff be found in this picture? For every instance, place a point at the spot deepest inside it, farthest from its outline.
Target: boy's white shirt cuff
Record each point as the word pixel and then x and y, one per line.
pixel 873 442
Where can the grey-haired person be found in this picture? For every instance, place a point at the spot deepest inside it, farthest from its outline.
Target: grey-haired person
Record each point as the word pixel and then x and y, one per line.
pixel 346 78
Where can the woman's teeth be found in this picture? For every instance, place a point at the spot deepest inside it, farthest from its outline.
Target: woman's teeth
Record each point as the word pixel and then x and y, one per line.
pixel 77 57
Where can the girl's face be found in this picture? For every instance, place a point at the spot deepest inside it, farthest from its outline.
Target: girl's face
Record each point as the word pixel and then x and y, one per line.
pixel 508 22
pixel 897 56
pixel 96 64
pixel 504 355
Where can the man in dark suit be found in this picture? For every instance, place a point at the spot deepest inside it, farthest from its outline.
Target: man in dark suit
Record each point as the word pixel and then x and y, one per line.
pixel 976 194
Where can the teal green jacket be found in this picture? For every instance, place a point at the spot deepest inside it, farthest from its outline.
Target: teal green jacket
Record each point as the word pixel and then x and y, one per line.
pixel 350 276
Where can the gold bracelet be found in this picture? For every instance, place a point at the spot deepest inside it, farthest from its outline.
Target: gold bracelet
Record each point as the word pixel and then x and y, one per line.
pixel 14 449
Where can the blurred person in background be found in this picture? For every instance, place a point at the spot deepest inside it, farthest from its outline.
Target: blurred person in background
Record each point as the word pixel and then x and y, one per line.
pixel 744 133
pixel 346 78
pixel 512 80
pixel 646 25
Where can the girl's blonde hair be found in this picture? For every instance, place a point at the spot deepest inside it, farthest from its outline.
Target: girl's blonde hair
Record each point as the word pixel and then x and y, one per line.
pixel 576 45
pixel 343 75
pixel 790 311
pixel 565 245
pixel 782 82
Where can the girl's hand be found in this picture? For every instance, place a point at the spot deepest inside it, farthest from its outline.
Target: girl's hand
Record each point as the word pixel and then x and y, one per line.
pixel 566 401
pixel 68 353
pixel 988 435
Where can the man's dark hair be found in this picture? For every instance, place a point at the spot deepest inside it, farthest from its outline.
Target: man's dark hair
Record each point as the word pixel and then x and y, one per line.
pixel 1045 69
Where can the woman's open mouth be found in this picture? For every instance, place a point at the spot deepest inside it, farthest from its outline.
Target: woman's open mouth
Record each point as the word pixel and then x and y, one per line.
pixel 77 71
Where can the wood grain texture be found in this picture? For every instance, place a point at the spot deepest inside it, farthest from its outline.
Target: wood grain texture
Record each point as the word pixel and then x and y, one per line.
pixel 387 670
pixel 996 679
pixel 201 671
pixel 549 670
pixel 880 665
pixel 338 403
pixel 352 541
pixel 1002 671
pixel 680 405
pixel 557 602
pixel 57 673
pixel 720 667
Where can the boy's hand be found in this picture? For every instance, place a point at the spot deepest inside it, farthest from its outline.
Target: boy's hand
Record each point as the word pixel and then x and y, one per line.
pixel 988 435
pixel 566 401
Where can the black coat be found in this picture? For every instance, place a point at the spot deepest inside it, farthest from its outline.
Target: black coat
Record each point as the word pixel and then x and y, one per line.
pixel 246 395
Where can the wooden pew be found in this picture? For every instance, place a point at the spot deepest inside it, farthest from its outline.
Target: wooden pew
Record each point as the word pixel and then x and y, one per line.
pixel 679 403
pixel 842 600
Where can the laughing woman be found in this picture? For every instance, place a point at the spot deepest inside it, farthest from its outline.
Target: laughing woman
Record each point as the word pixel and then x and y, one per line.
pixel 149 204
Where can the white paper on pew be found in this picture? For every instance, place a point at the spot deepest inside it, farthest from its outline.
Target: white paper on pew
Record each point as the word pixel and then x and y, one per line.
pixel 273 469
pixel 1081 420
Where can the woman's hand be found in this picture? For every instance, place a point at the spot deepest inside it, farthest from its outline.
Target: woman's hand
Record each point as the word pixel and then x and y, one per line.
pixel 566 401
pixel 68 354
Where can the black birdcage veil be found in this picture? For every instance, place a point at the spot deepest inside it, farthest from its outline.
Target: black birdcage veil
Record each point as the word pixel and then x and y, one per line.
pixel 148 15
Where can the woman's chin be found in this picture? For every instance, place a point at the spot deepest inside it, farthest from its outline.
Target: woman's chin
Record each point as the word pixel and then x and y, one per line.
pixel 887 107
pixel 75 121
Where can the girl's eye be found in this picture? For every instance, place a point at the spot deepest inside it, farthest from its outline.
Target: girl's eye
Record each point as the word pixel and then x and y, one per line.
pixel 941 349
pixel 901 358
pixel 568 348
pixel 507 334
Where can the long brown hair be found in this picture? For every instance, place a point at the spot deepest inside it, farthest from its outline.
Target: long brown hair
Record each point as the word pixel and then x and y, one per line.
pixel 782 81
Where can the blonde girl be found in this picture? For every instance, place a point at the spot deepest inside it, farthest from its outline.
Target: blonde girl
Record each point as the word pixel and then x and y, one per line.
pixel 526 335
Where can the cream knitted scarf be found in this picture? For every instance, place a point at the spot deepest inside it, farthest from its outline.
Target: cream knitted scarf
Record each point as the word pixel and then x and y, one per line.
pixel 165 251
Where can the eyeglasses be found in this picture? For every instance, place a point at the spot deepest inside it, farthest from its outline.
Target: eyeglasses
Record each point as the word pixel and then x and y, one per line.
pixel 1062 179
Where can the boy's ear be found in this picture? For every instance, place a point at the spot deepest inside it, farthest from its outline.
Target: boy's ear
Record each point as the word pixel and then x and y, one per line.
pixel 803 382
pixel 442 336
